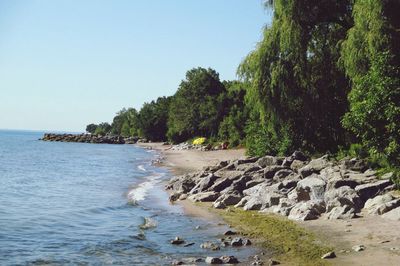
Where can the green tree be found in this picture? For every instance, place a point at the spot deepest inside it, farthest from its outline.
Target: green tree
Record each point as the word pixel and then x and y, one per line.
pixel 103 129
pixel 91 128
pixel 371 56
pixel 153 119
pixel 297 88
pixel 196 108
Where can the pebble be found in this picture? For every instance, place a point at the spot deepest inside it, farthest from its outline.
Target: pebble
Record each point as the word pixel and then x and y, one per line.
pixel 229 259
pixel 358 248
pixel 384 241
pixel 329 255
pixel 273 262
pixel 229 233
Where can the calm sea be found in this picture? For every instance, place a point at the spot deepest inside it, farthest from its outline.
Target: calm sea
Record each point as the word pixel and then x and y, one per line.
pixel 84 204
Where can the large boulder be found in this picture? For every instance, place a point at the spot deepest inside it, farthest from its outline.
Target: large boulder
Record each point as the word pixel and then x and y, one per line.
pixel 182 184
pixel 270 171
pixel 355 164
pixel 227 200
pixel 381 204
pixel 269 161
pixel 204 184
pixel 308 210
pixel 370 190
pixel 343 199
pixel 204 197
pixel 315 166
pixel 393 215
pixel 341 212
pixel 311 188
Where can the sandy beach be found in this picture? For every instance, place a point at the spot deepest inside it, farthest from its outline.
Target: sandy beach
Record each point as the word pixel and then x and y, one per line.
pixel 381 237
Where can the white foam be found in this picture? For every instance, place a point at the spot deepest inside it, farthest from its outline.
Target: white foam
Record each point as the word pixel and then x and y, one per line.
pixel 141 168
pixel 140 192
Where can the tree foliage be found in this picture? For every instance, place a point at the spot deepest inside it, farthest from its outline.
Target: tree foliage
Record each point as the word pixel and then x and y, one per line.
pixel 196 109
pixel 371 56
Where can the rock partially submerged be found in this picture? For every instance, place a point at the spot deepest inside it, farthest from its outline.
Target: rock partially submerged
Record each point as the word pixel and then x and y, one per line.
pixel 293 186
pixel 87 138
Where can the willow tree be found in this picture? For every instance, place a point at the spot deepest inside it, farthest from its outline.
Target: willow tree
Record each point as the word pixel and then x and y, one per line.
pixel 298 90
pixel 371 55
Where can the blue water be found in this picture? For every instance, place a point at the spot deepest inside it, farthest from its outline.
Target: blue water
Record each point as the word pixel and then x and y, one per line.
pixel 83 204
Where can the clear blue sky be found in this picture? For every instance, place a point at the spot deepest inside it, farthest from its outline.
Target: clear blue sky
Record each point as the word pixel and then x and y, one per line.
pixel 64 64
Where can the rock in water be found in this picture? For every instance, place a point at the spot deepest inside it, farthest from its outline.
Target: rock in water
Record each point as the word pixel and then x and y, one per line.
pixel 177 241
pixel 213 260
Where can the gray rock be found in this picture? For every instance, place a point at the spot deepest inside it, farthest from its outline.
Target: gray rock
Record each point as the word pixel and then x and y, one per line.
pixel 204 184
pixel 210 245
pixel 355 164
pixel 393 215
pixel 311 188
pixel 381 204
pixel 269 161
pixel 314 166
pixel 230 233
pixel 204 197
pixel 367 191
pixel 229 259
pixel 341 212
pixel 297 164
pixel 329 255
pixel 227 200
pixel 281 174
pixel 298 155
pixel 237 242
pixel 182 184
pixel 270 171
pixel 213 260
pixel 339 182
pixel 309 210
pixel 358 248
pixel 342 197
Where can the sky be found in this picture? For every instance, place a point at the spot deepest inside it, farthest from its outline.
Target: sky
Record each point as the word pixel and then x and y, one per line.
pixel 67 63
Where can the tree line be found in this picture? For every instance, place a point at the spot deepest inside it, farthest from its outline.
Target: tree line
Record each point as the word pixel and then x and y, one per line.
pixel 323 78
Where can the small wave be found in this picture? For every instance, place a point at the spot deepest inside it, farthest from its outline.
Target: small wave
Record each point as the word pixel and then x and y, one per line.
pixel 140 192
pixel 141 168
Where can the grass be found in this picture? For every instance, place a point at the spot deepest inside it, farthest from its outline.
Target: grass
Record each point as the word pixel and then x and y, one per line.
pixel 289 242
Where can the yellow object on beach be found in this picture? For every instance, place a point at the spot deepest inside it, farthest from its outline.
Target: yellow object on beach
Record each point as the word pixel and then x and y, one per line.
pixel 199 141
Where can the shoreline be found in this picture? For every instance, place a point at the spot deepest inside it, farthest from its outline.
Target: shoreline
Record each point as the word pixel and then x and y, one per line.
pixel 380 236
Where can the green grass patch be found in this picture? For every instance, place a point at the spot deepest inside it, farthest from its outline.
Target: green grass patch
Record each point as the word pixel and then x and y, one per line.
pixel 288 242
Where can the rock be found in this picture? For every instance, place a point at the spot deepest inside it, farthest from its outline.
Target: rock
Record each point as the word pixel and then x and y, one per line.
pixel 339 182
pixel 268 161
pixel 270 171
pixel 309 210
pixel 367 191
pixel 329 255
pixel 174 196
pixel 246 160
pixel 296 165
pixel 224 182
pixel 204 184
pixel 381 204
pixel 343 201
pixel 177 241
pixel 204 197
pixel 237 242
pixel 247 242
pixel 311 188
pixel 240 184
pixel 393 215
pixel 314 166
pixel 229 233
pixel 358 248
pixel 189 244
pixel 182 184
pixel 177 262
pixel 281 174
pixel 210 245
pixel 213 260
pixel 273 262
pixel 229 259
pixel 227 200
pixel 341 212
pixel 355 164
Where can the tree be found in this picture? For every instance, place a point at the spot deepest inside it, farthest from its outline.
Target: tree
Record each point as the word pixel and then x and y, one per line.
pixel 297 88
pixel 91 128
pixel 195 109
pixel 153 119
pixel 371 56
pixel 103 129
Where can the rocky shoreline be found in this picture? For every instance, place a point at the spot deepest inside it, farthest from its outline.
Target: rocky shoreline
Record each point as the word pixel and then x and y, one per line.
pixel 294 186
pixel 89 138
